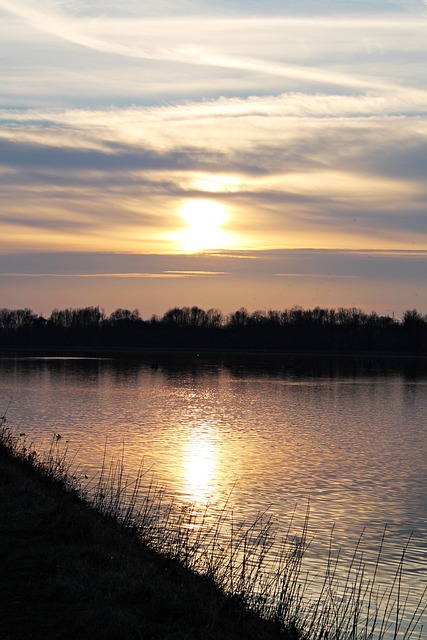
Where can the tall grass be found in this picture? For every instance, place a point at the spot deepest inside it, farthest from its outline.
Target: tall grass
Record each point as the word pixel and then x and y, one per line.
pixel 252 563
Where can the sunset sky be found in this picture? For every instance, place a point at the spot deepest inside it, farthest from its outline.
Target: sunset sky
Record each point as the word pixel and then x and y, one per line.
pixel 220 154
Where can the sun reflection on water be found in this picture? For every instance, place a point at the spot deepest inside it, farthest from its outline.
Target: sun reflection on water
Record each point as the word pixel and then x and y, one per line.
pixel 200 464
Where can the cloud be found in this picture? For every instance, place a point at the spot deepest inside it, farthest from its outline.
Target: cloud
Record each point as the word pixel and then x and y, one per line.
pixel 163 43
pixel 261 131
pixel 120 175
pixel 167 274
pixel 381 280
pixel 393 265
pixel 321 276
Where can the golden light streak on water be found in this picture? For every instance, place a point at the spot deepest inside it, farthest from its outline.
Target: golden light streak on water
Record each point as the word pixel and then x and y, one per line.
pixel 200 464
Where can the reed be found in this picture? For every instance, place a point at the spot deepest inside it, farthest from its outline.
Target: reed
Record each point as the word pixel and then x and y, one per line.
pixel 250 563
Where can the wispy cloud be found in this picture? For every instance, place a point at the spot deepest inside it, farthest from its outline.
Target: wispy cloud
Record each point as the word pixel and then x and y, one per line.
pixel 165 43
pixel 166 274
pixel 320 276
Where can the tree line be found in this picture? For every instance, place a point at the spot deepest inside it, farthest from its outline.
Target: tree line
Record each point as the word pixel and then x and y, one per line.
pixel 294 329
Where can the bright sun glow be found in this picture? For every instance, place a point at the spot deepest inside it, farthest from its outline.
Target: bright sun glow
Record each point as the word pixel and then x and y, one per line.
pixel 203 220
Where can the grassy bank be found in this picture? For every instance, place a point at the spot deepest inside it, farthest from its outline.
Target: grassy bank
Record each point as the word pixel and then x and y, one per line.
pixel 69 572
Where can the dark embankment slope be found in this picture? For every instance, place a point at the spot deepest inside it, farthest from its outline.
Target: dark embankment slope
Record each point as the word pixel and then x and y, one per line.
pixel 68 572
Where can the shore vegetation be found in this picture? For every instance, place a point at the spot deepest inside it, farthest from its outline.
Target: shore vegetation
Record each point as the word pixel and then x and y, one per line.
pixel 114 557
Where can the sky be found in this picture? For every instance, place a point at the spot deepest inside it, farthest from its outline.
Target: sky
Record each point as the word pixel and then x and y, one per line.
pixel 220 154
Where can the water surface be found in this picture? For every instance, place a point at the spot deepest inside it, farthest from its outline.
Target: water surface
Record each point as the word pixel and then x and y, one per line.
pixel 348 436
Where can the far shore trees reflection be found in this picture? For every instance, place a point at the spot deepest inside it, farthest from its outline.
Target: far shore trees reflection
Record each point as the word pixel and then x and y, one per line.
pixel 296 329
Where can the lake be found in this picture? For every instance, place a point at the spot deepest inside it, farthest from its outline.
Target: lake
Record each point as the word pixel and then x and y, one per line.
pixel 348 436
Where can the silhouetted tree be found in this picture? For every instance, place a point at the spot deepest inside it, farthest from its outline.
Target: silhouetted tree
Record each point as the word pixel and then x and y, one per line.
pixel 296 329
pixel 124 315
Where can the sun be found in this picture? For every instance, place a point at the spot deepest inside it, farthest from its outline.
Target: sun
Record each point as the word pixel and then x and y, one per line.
pixel 203 221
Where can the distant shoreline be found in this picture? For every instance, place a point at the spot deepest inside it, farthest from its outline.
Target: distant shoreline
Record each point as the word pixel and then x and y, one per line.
pixel 142 353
